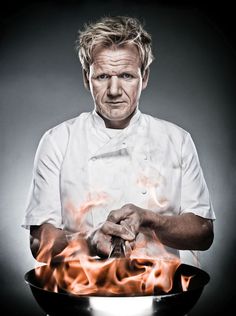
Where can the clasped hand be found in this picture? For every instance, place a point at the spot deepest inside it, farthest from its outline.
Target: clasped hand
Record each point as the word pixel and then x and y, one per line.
pixel 124 222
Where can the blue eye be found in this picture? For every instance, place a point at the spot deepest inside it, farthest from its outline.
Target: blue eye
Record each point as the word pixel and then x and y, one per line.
pixel 126 76
pixel 102 77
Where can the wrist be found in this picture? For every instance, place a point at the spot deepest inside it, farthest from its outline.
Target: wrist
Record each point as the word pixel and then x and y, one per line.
pixel 151 219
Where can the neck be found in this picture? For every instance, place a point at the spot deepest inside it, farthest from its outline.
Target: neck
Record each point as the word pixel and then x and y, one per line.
pixel 121 124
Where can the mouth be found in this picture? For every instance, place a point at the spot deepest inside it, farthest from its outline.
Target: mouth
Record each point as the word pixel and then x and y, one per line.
pixel 115 103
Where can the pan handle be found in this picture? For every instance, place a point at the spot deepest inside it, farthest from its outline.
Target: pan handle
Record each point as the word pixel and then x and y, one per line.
pixel 117 247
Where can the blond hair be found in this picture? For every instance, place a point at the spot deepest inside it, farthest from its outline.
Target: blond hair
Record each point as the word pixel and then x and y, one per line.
pixel 118 31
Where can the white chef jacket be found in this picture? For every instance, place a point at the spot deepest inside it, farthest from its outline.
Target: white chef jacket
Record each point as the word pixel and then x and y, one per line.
pixel 83 170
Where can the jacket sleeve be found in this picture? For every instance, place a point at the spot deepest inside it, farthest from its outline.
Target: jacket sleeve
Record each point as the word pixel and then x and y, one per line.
pixel 194 192
pixel 44 201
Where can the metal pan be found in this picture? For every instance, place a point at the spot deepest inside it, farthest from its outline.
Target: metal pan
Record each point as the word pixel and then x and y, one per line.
pixel 177 302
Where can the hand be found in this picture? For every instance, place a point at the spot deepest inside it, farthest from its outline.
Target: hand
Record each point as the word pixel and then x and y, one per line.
pixel 99 241
pixel 129 216
pixel 46 241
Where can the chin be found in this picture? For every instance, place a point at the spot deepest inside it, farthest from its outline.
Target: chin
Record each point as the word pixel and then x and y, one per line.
pixel 118 118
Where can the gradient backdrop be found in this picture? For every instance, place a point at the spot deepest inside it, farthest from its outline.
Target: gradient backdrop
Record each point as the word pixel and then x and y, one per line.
pixel 192 84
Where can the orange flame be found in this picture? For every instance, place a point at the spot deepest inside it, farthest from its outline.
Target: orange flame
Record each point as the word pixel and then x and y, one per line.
pixel 148 270
pixel 78 213
pixel 152 183
pixel 81 274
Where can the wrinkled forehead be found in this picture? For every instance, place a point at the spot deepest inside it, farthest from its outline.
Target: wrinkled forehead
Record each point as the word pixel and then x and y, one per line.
pixel 126 54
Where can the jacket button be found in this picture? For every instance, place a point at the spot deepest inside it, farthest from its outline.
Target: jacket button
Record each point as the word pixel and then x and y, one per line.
pixel 144 191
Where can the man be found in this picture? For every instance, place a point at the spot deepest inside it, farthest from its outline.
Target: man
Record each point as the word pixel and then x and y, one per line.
pixel 116 171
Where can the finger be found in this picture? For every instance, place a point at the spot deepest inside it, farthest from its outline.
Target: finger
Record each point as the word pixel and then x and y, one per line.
pixel 116 216
pixel 128 226
pixel 102 244
pixel 117 230
pixel 103 248
pixel 99 243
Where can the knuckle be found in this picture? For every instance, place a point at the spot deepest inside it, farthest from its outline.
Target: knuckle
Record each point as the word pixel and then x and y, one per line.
pixel 128 206
pixel 105 227
pixel 111 216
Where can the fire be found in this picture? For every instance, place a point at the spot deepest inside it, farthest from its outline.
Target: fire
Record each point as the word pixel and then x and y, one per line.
pixel 78 214
pixel 75 272
pixel 147 270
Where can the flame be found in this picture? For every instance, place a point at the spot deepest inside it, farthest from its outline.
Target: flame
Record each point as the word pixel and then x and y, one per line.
pixel 148 270
pixel 78 213
pixel 75 272
pixel 151 183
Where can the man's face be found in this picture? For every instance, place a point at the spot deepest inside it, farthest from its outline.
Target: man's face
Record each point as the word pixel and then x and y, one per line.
pixel 115 82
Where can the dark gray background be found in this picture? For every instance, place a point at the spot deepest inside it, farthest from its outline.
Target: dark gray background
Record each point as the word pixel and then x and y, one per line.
pixel 192 84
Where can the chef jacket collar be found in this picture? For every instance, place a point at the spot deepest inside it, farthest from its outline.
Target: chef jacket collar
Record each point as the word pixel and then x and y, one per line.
pixel 108 144
pixel 100 124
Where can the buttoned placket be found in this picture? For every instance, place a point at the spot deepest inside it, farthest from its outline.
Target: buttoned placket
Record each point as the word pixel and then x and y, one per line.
pixel 118 143
pixel 107 143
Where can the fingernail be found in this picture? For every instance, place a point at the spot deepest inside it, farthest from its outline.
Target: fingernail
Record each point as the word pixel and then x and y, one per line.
pixel 129 234
pixel 128 230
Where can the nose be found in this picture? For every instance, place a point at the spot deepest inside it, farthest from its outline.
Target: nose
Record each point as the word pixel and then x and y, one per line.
pixel 114 88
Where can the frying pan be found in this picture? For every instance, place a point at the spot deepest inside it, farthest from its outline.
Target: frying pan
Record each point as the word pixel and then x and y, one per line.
pixel 176 302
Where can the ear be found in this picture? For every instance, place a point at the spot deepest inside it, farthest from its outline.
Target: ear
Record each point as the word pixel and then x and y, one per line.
pixel 145 78
pixel 85 79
